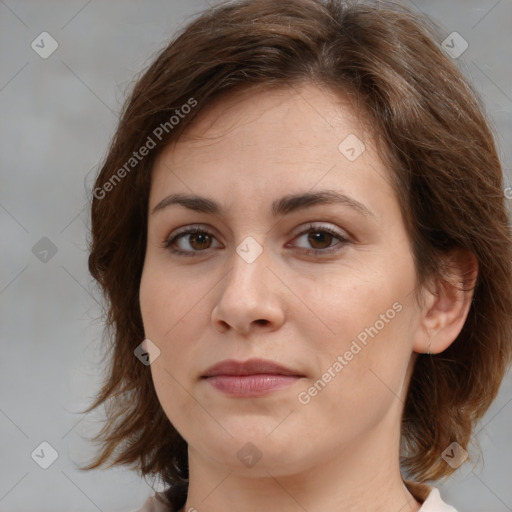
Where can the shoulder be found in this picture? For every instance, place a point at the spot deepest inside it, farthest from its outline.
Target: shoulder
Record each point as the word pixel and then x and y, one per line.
pixel 429 497
pixel 434 503
pixel 156 503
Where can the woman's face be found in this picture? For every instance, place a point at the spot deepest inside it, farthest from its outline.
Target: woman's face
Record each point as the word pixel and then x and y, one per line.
pixel 299 257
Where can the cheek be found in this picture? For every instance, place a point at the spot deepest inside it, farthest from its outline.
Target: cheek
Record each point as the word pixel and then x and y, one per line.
pixel 167 299
pixel 176 311
pixel 358 383
pixel 171 316
pixel 343 305
pixel 363 333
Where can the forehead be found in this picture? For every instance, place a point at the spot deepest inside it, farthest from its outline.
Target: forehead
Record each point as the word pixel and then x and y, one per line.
pixel 279 121
pixel 259 140
pixel 280 110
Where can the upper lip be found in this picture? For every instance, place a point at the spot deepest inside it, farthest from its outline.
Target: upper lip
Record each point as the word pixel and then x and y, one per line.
pixel 249 367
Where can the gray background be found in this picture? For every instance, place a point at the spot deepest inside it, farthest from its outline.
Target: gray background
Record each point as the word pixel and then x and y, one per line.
pixel 57 117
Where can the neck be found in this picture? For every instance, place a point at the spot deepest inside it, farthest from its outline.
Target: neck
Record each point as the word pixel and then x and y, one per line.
pixel 364 477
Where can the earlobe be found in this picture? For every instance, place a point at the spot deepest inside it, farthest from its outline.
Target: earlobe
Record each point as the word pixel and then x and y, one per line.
pixel 447 306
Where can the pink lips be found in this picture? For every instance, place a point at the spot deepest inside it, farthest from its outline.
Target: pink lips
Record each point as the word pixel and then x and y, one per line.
pixel 254 377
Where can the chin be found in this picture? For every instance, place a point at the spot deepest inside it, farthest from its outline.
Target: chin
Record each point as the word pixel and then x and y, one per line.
pixel 255 448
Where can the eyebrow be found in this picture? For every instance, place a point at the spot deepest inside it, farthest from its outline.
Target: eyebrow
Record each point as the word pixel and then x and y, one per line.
pixel 280 207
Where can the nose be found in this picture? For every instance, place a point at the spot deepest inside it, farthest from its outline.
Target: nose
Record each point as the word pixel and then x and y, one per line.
pixel 249 298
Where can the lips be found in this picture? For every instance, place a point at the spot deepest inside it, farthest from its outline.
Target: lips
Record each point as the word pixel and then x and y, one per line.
pixel 252 378
pixel 230 367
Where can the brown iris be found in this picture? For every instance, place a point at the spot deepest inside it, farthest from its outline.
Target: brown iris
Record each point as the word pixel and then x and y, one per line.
pixel 200 241
pixel 320 239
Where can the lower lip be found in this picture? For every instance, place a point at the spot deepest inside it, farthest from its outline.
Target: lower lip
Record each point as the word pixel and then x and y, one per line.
pixel 250 385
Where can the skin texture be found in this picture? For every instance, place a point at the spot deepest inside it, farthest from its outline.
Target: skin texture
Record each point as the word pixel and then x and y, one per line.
pixel 340 451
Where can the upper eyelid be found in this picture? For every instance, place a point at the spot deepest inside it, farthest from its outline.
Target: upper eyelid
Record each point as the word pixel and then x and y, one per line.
pixel 184 230
pixel 297 231
pixel 320 226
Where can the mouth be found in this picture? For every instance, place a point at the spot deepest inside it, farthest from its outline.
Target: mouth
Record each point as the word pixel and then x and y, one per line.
pixel 254 377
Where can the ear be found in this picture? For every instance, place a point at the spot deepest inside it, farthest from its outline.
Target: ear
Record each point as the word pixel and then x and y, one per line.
pixel 446 307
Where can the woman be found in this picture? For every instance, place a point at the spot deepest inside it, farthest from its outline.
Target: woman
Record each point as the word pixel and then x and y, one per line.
pixel 302 216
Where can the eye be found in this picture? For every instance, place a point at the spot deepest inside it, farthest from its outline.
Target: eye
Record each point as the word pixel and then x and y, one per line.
pixel 190 241
pixel 315 240
pixel 318 239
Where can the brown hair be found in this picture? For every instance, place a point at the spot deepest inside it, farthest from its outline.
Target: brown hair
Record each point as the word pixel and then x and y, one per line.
pixel 444 165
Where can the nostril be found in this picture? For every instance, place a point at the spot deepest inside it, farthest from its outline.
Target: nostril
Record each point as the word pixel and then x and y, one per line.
pixel 262 321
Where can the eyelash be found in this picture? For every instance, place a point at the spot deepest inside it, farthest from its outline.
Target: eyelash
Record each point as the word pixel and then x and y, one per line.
pixel 194 230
